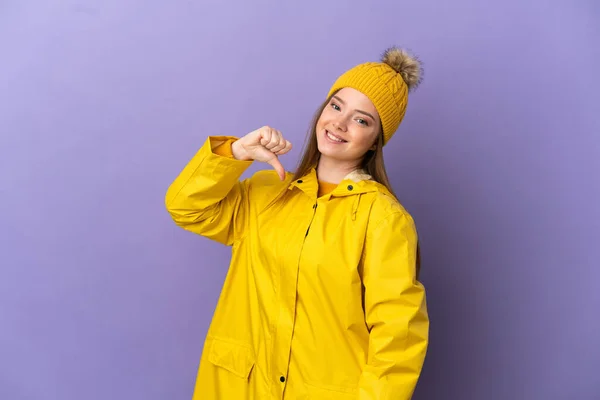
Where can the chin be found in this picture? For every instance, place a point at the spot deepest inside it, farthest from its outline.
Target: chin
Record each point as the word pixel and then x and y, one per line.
pixel 332 153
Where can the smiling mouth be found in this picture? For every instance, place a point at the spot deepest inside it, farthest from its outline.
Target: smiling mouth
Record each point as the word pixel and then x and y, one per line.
pixel 334 138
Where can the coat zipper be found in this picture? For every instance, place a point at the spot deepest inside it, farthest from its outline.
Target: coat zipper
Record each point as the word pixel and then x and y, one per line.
pixel 311 220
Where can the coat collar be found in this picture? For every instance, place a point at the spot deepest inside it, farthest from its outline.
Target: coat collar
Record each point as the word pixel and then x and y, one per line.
pixel 358 176
pixel 356 182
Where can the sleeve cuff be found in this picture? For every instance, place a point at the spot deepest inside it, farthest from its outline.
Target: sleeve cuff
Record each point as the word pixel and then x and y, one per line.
pixel 221 146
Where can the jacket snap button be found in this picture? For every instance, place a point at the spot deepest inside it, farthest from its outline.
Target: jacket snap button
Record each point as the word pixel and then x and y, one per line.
pixel 350 187
pixel 282 379
pixel 299 180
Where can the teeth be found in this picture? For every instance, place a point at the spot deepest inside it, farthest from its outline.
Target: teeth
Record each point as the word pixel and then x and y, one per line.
pixel 330 136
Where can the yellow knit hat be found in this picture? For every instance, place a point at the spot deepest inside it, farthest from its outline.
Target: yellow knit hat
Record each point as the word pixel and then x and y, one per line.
pixel 386 84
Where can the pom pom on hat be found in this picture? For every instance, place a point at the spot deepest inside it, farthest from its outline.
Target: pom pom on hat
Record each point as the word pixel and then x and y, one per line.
pixel 404 63
pixel 386 84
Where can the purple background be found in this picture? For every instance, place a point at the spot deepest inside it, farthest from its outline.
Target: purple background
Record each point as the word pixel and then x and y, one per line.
pixel 103 102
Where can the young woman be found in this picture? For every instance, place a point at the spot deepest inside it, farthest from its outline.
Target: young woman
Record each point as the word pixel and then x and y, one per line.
pixel 322 298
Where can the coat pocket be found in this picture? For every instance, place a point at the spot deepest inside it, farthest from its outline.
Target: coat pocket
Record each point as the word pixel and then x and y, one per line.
pixel 234 357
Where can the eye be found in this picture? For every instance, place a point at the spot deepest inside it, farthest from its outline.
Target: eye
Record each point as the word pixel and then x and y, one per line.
pixel 335 106
pixel 362 122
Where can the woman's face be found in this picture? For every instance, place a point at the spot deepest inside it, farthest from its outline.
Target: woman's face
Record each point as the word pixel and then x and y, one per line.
pixel 348 126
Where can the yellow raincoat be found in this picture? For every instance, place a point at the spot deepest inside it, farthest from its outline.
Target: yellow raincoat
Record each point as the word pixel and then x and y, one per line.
pixel 321 299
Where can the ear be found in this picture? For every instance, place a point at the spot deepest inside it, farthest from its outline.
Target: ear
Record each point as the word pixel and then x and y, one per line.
pixel 374 145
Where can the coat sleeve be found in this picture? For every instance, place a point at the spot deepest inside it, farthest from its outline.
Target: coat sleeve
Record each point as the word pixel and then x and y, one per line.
pixel 395 311
pixel 207 197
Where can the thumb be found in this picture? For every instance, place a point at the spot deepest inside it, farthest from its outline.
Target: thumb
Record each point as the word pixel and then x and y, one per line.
pixel 275 163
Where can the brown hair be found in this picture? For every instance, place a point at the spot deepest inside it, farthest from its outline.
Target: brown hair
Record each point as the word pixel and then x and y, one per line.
pixel 373 162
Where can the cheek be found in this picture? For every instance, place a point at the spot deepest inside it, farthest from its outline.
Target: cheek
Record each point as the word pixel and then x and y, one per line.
pixel 366 139
pixel 327 114
pixel 321 120
pixel 366 136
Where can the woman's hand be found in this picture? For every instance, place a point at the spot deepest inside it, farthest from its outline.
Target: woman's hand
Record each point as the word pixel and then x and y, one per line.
pixel 264 144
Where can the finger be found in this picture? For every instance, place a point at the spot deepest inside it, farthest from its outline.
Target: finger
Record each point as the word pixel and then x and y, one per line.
pixel 265 136
pixel 287 148
pixel 275 163
pixel 280 146
pixel 276 138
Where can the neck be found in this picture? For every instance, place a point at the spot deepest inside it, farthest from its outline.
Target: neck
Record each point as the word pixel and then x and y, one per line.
pixel 334 171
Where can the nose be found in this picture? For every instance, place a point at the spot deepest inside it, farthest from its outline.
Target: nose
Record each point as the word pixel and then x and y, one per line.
pixel 340 124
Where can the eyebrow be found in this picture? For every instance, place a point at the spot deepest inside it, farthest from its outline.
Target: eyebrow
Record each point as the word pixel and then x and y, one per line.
pixel 360 111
